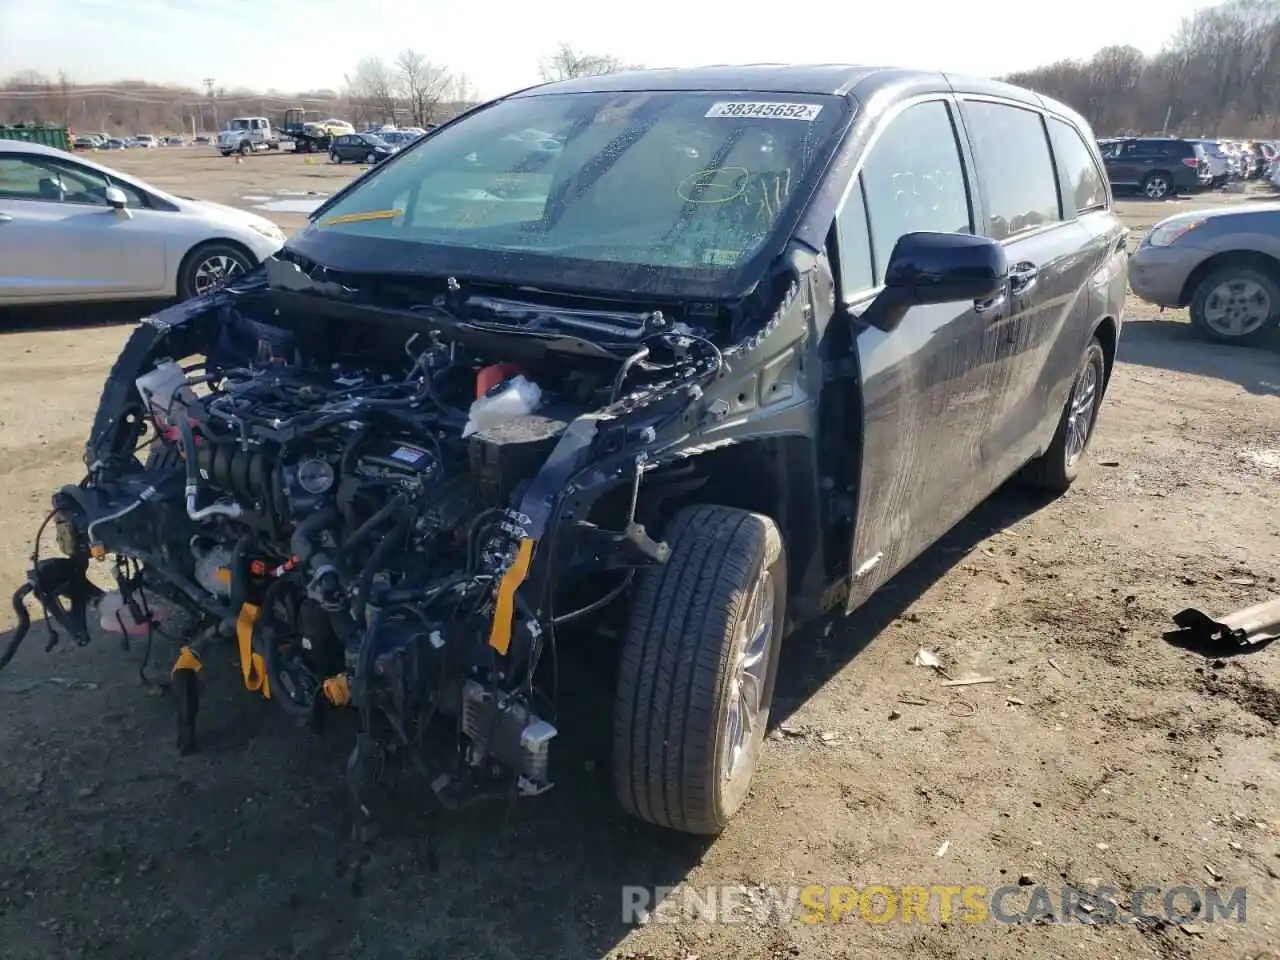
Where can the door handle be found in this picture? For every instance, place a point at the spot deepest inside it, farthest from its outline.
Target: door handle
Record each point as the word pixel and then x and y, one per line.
pixel 5 218
pixel 1023 277
pixel 989 304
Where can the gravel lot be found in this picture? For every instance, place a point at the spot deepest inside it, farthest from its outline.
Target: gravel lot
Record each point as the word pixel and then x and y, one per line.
pixel 1101 754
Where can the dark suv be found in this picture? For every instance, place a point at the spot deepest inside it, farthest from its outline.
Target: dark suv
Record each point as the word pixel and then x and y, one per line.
pixel 1158 166
pixel 690 357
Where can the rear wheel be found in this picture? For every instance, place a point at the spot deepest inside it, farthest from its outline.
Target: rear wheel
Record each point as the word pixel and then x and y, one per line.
pixel 698 668
pixel 209 266
pixel 1157 186
pixel 1235 304
pixel 333 157
pixel 1057 468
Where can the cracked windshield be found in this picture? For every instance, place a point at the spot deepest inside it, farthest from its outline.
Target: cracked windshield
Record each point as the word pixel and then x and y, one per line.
pixel 682 180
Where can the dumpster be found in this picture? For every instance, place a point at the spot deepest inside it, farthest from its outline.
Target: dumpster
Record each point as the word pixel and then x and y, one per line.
pixel 58 137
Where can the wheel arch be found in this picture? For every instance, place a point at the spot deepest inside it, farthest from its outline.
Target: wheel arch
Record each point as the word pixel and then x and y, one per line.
pixel 1243 258
pixel 775 476
pixel 1107 332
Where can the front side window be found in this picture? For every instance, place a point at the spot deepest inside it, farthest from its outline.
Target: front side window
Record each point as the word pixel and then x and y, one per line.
pixel 1014 166
pixel 35 178
pixel 641 180
pixel 914 180
pixel 1083 188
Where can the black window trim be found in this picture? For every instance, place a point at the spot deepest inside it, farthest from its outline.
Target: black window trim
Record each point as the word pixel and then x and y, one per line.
pixel 1035 231
pixel 949 100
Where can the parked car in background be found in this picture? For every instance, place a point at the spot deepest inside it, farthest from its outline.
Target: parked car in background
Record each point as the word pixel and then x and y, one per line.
pixel 116 143
pixel 73 230
pixel 203 138
pixel 85 143
pixel 1224 264
pixel 1158 167
pixel 1219 162
pixel 359 148
pixel 146 140
pixel 175 141
pixel 399 138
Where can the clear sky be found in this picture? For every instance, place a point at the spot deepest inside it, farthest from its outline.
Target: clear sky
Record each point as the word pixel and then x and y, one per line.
pixel 306 44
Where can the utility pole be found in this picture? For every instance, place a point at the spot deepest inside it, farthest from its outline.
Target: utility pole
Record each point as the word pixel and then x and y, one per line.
pixel 213 101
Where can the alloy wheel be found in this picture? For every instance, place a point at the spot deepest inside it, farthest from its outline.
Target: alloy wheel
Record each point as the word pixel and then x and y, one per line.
pixel 1084 403
pixel 212 272
pixel 747 712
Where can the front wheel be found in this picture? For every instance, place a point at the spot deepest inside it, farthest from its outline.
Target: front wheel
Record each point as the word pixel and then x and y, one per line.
pixel 209 266
pixel 245 148
pixel 1157 186
pixel 1057 468
pixel 698 668
pixel 1238 305
pixel 371 158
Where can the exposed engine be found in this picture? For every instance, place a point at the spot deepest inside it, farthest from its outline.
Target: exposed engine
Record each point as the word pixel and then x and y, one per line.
pixel 353 519
pixel 384 513
pixel 335 519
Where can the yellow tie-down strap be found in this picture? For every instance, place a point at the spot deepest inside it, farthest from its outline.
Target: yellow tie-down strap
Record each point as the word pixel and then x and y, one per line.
pixel 252 665
pixel 504 610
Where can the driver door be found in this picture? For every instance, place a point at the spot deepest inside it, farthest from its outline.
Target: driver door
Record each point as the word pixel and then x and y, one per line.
pixel 59 239
pixel 925 386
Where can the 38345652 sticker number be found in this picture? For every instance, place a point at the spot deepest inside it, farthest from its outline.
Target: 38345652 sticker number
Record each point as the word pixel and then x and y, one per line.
pixel 765 110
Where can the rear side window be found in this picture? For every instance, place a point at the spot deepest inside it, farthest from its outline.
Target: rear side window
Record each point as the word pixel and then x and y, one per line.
pixel 1083 188
pixel 1015 167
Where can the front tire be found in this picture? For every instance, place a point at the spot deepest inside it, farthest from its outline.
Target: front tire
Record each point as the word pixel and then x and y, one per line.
pixel 1236 305
pixel 245 148
pixel 698 668
pixel 1157 186
pixel 371 158
pixel 209 266
pixel 1057 468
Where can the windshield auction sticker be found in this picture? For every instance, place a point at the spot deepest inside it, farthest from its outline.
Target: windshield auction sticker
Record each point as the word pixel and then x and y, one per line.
pixel 765 110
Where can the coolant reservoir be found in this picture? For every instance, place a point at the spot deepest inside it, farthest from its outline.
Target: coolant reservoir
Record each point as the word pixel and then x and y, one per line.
pixel 514 398
pixel 160 387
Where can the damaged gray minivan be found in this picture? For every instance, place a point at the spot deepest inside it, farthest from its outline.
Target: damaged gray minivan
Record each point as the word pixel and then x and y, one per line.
pixel 709 352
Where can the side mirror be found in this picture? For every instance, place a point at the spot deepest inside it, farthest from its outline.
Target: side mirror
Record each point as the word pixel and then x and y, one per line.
pixel 116 199
pixel 927 268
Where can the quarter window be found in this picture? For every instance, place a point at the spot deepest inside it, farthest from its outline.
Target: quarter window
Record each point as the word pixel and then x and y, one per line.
pixel 914 180
pixel 1014 167
pixel 856 270
pixel 1082 186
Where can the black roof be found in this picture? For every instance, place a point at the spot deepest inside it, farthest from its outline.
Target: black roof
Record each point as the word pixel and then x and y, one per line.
pixel 827 78
pixel 859 82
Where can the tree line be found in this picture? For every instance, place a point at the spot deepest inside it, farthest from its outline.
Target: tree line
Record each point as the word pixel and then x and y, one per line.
pixel 1218 75
pixel 408 90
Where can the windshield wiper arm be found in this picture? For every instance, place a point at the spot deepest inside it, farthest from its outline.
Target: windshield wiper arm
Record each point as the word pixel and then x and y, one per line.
pixel 621 324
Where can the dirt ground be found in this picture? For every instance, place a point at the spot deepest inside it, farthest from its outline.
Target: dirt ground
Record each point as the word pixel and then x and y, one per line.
pixel 1100 754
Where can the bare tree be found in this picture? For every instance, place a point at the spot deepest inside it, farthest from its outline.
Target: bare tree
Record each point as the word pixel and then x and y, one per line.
pixel 374 87
pixel 567 63
pixel 423 85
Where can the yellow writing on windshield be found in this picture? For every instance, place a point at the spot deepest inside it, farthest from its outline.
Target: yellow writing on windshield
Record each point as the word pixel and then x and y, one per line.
pixel 361 217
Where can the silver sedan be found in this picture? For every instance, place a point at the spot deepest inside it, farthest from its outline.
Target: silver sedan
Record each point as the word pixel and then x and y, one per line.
pixel 73 230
